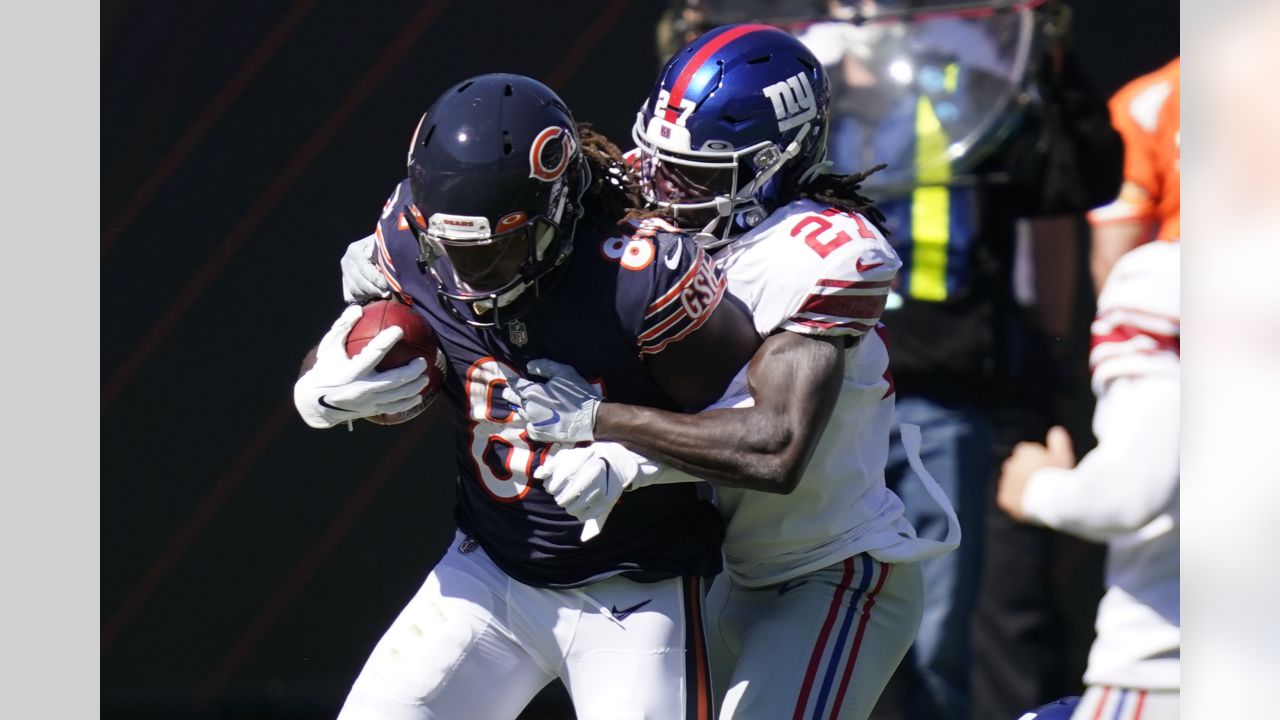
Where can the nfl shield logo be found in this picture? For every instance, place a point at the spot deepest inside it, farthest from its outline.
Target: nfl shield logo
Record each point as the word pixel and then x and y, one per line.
pixel 517 333
pixel 665 132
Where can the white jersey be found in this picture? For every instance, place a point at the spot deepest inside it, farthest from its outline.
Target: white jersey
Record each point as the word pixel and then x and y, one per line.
pixel 818 271
pixel 1125 491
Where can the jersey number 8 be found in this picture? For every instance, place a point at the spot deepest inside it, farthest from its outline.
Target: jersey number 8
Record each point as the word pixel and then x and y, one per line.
pixel 503 454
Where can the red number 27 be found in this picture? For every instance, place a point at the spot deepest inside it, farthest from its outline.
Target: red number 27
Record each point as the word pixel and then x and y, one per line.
pixel 822 225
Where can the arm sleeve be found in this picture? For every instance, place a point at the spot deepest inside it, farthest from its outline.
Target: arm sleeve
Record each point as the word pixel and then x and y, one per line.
pixel 1138 329
pixel 684 288
pixel 1130 478
pixel 392 235
pixel 842 288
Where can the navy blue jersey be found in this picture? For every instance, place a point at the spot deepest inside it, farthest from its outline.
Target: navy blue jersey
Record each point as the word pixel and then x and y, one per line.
pixel 618 300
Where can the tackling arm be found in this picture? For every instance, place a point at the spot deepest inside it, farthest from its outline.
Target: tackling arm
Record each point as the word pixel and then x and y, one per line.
pixel 1110 241
pixel 794 379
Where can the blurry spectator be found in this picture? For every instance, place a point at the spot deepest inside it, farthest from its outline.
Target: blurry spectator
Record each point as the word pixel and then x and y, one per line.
pixel 680 24
pixel 1125 491
pixel 1146 113
pixel 983 120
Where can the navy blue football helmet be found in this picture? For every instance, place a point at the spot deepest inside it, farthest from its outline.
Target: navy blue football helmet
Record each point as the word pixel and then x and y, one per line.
pixel 1059 709
pixel 496 175
pixel 737 119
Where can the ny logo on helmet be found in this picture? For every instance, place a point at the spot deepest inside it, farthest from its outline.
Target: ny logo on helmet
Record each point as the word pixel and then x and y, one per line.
pixel 793 101
pixel 548 159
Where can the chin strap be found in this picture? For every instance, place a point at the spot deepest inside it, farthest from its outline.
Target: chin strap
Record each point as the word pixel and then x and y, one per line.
pixel 483 306
pixel 748 193
pixel 744 206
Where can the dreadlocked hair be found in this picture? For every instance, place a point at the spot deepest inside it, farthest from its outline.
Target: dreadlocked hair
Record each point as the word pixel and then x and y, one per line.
pixel 841 192
pixel 613 197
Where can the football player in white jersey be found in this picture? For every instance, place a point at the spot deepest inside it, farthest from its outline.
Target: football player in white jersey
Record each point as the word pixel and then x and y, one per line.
pixel 823 591
pixel 1124 492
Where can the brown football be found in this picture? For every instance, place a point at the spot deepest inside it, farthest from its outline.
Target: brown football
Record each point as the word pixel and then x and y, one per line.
pixel 419 341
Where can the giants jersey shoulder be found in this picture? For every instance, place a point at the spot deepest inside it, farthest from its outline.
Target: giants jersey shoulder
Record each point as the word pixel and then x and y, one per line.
pixel 1138 326
pixel 814 270
pixel 667 286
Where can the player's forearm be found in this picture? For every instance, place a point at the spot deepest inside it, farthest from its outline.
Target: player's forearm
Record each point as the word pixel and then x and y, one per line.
pixel 1130 478
pixel 1053 257
pixel 1109 242
pixel 734 447
pixel 760 438
pixel 308 361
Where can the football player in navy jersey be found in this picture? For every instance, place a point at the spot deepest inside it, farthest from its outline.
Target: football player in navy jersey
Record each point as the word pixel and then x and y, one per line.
pixel 508 242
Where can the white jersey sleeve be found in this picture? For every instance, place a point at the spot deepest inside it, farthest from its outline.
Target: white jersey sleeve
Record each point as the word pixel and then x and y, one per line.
pixel 1137 330
pixel 1134 359
pixel 827 272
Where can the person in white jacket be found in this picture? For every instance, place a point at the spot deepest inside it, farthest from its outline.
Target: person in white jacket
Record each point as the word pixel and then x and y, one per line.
pixel 1125 491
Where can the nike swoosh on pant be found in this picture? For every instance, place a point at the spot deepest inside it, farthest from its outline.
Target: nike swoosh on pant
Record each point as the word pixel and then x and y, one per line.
pixel 622 614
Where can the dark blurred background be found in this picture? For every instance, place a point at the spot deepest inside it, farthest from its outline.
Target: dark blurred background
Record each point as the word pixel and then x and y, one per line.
pixel 249 563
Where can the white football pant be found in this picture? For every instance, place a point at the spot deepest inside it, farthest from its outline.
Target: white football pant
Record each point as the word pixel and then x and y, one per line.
pixel 475 644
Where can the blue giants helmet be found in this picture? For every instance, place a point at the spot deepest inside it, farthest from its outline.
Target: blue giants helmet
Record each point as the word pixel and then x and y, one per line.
pixel 496 175
pixel 736 121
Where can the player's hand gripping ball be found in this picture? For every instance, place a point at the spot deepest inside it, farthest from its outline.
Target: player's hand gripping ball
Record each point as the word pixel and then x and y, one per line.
pixel 419 340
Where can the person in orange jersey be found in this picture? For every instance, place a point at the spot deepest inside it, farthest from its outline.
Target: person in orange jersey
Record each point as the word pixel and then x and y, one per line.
pixel 1145 112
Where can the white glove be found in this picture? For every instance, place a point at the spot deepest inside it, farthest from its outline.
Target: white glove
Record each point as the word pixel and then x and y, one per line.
pixel 361 278
pixel 340 388
pixel 587 481
pixel 560 410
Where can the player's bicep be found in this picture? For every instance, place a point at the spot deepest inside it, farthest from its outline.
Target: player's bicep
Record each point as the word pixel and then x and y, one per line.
pixel 696 369
pixel 799 377
pixel 795 381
